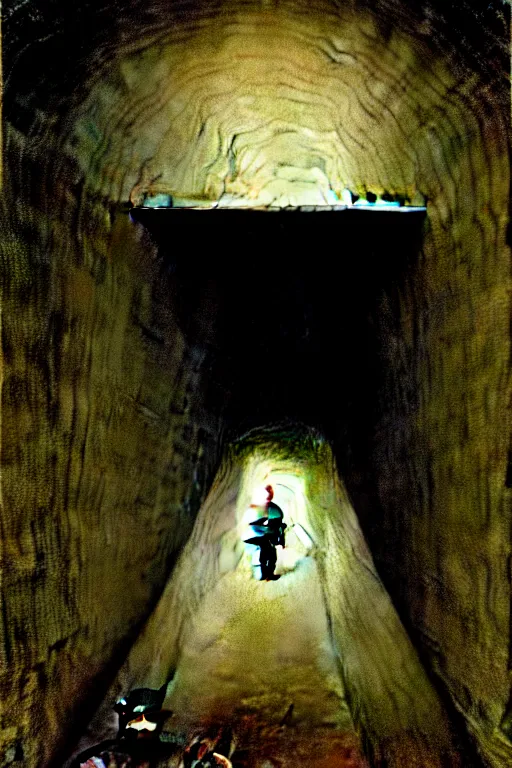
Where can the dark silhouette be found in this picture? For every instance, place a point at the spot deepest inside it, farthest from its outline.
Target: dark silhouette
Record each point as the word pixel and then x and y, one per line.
pixel 268 558
pixel 275 518
pixel 269 530
pixel 138 706
pixel 141 721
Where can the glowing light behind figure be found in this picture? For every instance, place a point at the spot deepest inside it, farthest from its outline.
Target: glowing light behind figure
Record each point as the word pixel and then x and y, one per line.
pixel 158 201
pixel 260 496
pixel 314 198
pixel 290 494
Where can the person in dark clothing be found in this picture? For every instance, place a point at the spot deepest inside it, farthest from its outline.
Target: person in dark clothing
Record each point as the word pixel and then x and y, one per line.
pixel 137 709
pixel 269 530
pixel 275 518
pixel 264 539
pixel 268 558
pixel 138 739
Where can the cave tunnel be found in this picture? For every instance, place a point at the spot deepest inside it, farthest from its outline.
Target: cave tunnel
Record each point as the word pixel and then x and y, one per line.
pixel 160 365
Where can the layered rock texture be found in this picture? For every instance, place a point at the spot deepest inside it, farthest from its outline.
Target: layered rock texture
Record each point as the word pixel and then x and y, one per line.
pixel 129 359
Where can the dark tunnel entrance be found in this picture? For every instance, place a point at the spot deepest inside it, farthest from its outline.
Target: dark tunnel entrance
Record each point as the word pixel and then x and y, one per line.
pixel 293 298
pixel 297 319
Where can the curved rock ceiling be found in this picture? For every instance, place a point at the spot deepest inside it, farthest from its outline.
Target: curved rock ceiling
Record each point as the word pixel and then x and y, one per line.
pixel 263 107
pixel 280 103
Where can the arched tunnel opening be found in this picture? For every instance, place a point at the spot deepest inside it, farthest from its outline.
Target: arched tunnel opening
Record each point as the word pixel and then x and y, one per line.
pixel 279 322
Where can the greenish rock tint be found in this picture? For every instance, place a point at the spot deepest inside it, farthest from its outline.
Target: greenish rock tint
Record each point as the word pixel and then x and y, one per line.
pixel 158 201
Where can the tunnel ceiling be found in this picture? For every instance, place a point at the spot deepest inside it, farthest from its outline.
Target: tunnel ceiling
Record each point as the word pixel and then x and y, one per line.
pixel 481 28
pixel 248 102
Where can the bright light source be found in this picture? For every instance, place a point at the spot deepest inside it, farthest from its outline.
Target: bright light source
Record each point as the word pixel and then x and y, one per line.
pixel 346 197
pixel 158 201
pixel 394 203
pixel 260 496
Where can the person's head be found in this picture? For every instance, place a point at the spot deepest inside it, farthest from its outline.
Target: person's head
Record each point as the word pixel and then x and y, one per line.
pixel 140 710
pixel 270 492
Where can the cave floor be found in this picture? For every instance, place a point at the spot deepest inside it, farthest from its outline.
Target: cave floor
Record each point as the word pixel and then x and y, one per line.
pixel 258 656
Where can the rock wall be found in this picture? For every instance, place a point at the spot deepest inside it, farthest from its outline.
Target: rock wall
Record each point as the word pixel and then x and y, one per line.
pixel 106 453
pixel 440 447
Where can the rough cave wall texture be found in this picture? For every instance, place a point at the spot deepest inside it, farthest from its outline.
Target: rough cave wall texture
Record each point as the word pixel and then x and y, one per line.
pixel 103 393
pixel 440 448
pixel 104 452
pixel 443 436
pixel 107 444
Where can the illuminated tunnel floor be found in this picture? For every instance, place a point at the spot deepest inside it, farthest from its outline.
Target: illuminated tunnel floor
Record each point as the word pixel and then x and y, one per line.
pixel 254 650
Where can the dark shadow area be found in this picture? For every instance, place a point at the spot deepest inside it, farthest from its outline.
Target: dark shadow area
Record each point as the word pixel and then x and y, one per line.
pixel 292 295
pixel 285 303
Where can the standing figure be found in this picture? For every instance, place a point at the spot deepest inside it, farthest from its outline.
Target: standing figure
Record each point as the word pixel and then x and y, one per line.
pixel 268 558
pixel 275 518
pixel 269 530
pixel 264 539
